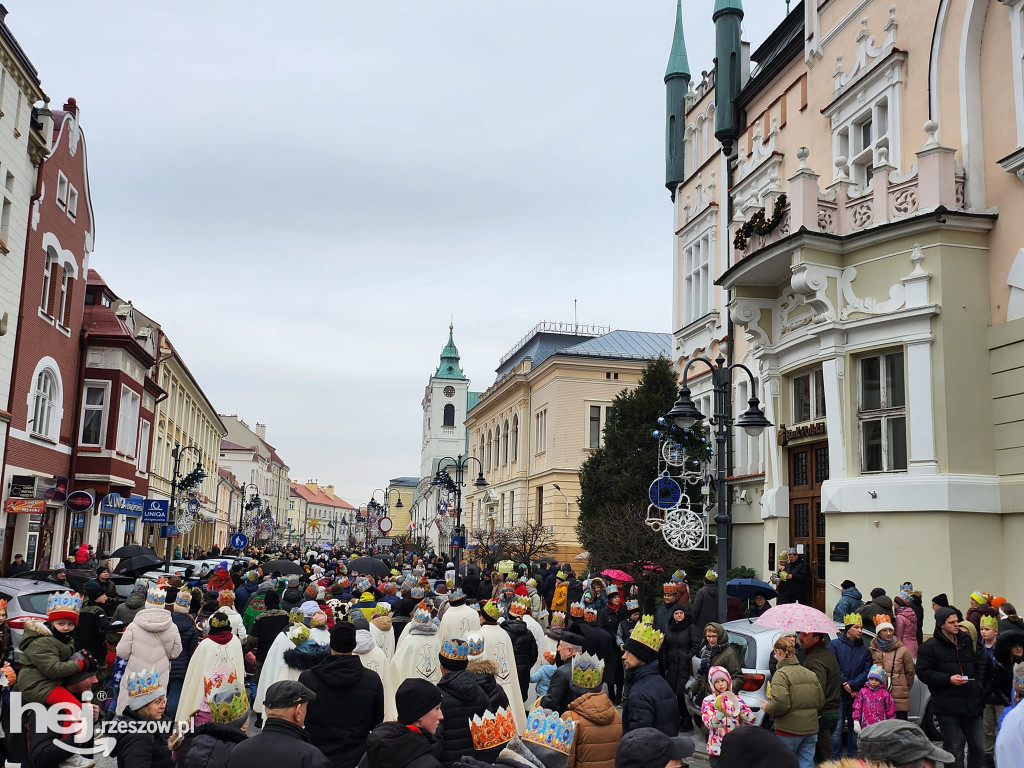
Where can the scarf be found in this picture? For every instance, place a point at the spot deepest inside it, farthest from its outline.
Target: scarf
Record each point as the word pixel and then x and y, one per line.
pixel 221 637
pixel 706 656
pixel 885 645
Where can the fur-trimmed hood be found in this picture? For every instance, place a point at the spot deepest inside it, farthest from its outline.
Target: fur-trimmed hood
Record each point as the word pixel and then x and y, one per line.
pixel 483 666
pixel 296 658
pixel 38 627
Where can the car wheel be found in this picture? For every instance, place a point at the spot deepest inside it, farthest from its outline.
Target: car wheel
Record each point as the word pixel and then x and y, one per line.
pixel 930 724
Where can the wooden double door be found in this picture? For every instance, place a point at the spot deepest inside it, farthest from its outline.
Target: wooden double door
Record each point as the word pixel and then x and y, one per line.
pixel 808 469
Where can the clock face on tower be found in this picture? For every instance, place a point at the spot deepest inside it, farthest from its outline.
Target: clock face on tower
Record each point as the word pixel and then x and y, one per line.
pixel 449 391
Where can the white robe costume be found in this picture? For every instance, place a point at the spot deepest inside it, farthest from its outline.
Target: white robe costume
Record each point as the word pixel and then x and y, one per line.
pixel 458 621
pixel 210 660
pixel 383 635
pixel 373 658
pixel 416 654
pixel 498 648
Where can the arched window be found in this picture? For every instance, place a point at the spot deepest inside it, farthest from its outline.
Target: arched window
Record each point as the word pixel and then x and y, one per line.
pixel 490 445
pixel 504 446
pixel 497 446
pixel 515 437
pixel 44 399
pixel 449 416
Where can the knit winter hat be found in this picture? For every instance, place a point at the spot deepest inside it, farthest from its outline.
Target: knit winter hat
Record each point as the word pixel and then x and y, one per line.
pixel 846 584
pixel 876 673
pixel 719 673
pixel 979 597
pixel 414 698
pixel 882 622
pixel 941 600
pixel 343 637
pixel 308 608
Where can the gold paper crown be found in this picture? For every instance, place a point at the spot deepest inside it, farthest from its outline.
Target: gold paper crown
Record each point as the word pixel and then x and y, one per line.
pixel 557 619
pixel 492 730
pixel 228 706
pixel 546 728
pixel 647 619
pixel 520 606
pixel 590 612
pixel 492 609
pixel 587 671
pixel 475 642
pixel 853 618
pixel 989 621
pixel 143 682
pixel 647 635
pixel 576 610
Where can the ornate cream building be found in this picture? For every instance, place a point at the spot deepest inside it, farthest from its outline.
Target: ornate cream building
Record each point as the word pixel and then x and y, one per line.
pixel 846 224
pixel 536 425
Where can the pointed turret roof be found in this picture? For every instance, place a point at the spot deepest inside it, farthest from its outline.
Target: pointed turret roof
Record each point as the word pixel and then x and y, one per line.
pixel 678 66
pixel 727 6
pixel 449 367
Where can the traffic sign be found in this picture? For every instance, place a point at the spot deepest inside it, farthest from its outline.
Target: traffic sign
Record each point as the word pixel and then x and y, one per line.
pixel 169 531
pixel 80 501
pixel 239 541
pixel 385 524
pixel 156 511
pixel 384 541
pixel 458 542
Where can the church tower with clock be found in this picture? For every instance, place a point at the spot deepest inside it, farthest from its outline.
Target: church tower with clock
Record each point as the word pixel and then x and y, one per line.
pixel 445 402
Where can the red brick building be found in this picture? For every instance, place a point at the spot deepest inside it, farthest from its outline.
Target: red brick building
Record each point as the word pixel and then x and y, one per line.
pixel 45 408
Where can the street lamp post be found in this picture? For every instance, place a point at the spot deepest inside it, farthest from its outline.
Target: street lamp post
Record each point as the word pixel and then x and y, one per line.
pixel 685 414
pixel 443 479
pixel 193 478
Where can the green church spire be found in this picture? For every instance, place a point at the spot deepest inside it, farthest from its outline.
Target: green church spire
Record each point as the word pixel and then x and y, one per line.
pixel 449 367
pixel 677 84
pixel 678 66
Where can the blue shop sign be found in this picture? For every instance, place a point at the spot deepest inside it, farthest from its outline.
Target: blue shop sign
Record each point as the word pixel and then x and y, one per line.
pixel 155 511
pixel 115 503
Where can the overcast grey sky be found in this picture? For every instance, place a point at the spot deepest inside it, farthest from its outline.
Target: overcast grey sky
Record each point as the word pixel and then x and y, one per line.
pixel 303 193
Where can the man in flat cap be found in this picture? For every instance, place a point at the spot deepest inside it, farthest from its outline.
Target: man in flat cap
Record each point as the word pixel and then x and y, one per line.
pixel 901 744
pixel 284 740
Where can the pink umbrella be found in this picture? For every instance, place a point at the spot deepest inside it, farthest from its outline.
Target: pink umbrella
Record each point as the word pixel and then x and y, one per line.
pixel 617 575
pixel 794 617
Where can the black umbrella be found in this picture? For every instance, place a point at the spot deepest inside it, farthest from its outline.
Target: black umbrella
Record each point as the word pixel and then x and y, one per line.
pixel 137 562
pixel 132 550
pixel 284 567
pixel 1004 642
pixel 369 566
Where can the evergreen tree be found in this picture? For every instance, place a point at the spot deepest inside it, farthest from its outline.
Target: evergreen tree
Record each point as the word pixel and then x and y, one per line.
pixel 615 479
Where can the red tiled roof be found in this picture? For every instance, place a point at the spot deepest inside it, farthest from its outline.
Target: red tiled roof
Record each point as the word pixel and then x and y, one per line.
pixel 227 445
pixel 320 496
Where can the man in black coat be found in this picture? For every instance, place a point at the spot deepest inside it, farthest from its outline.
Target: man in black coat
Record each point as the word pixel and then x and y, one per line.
pixel 465 694
pixel 18 565
pixel 524 644
pixel 483 592
pixel 349 700
pixel 651 702
pixel 958 678
pixel 560 690
pixel 283 741
pixel 705 603
pixel 411 742
pixel 794 579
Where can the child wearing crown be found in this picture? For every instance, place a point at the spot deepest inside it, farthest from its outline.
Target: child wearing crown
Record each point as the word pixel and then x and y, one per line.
pixel 46 649
pixel 722 711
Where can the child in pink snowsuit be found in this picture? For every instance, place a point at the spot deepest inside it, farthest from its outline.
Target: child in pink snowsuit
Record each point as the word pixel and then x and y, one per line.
pixel 722 711
pixel 873 703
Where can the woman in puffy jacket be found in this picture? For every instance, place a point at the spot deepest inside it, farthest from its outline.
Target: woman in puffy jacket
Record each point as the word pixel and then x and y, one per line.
pixel 891 653
pixel 906 623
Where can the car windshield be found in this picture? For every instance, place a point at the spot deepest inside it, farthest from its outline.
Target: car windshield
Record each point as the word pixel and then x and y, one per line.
pixel 34 602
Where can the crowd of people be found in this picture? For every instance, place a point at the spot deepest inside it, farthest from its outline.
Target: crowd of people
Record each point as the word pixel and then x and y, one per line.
pixel 416 663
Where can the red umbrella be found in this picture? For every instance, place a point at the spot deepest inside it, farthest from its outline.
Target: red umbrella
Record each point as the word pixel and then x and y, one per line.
pixel 617 575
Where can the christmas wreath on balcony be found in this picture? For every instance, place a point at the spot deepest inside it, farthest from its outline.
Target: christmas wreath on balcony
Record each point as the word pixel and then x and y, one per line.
pixel 759 224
